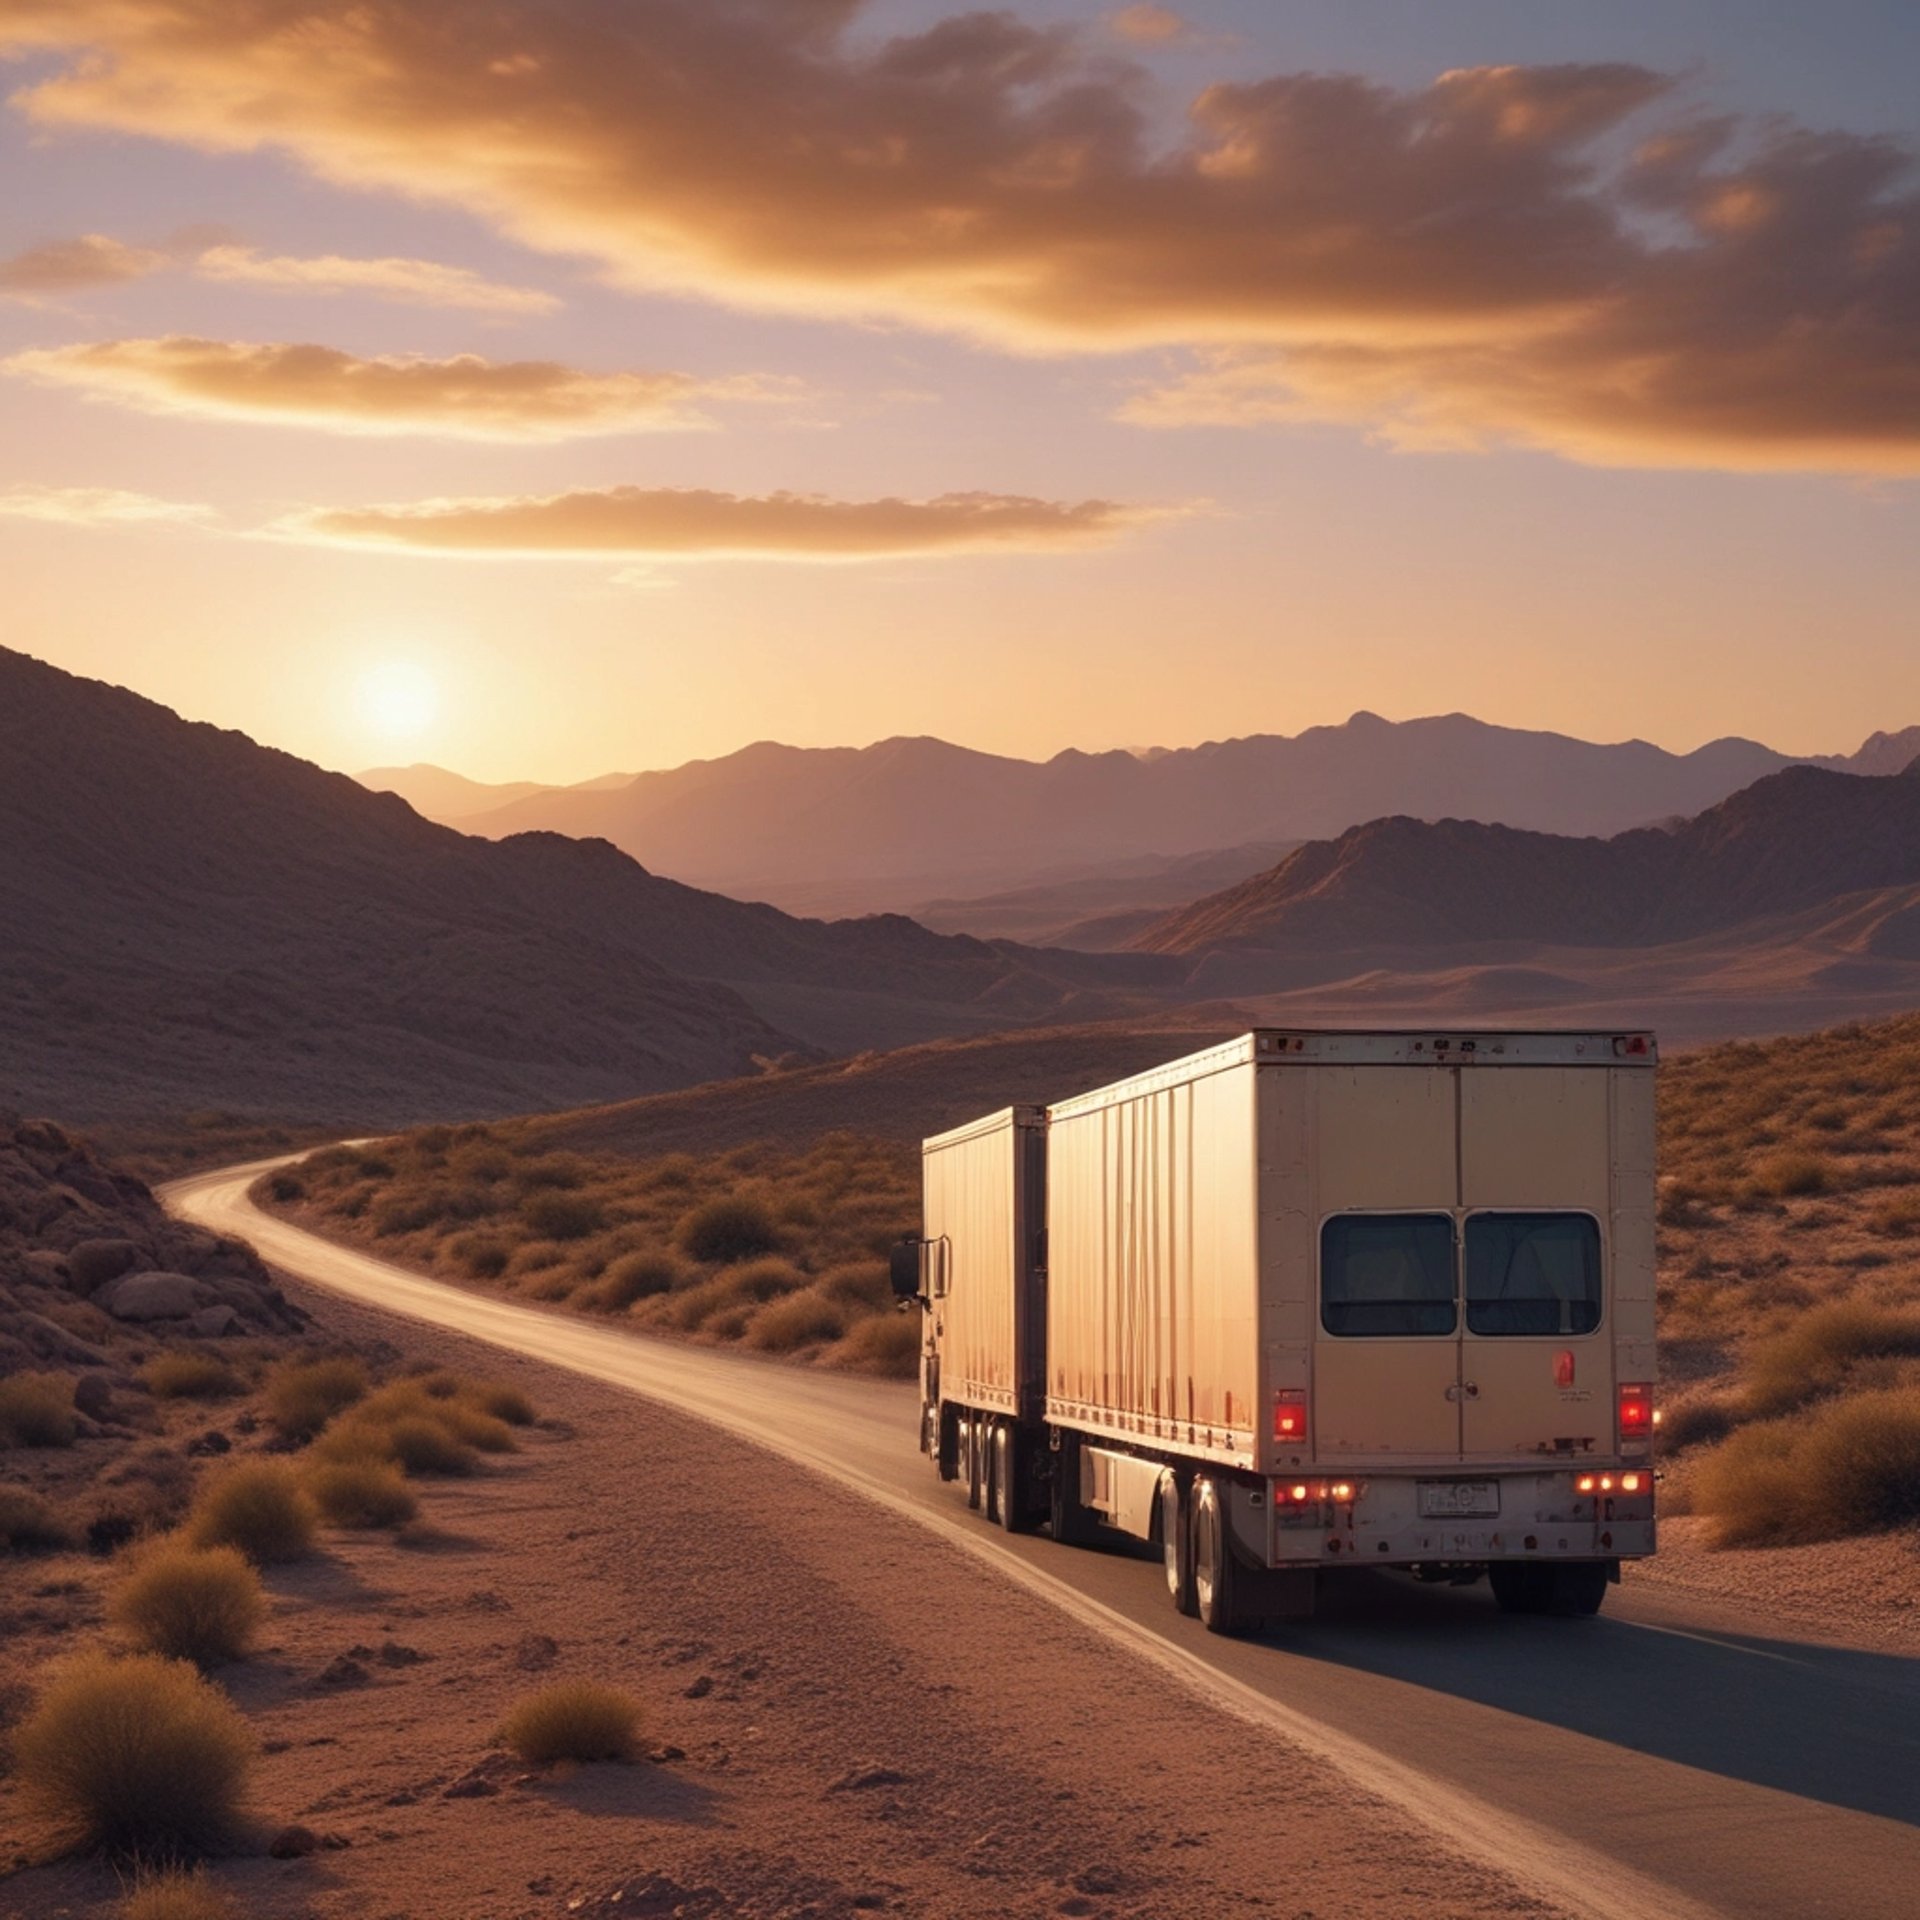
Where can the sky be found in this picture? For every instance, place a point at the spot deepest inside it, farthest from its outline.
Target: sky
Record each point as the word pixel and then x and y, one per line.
pixel 548 389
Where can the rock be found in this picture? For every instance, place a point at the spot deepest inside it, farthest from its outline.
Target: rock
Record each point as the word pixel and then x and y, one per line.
pixel 213 1323
pixel 862 1779
pixel 94 1262
pixel 41 1136
pixel 93 1396
pixel 536 1652
pixel 342 1671
pixel 471 1786
pixel 150 1296
pixel 293 1843
pixel 699 1687
pixel 51 1341
pixel 393 1654
pixel 47 1268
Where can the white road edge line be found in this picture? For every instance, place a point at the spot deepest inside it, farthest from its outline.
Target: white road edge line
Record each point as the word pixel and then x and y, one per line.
pixel 1583 1883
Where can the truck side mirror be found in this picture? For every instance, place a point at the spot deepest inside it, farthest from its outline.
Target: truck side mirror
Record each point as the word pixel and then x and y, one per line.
pixel 903 1269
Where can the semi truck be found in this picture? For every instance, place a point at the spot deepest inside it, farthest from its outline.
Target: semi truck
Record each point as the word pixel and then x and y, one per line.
pixel 1305 1302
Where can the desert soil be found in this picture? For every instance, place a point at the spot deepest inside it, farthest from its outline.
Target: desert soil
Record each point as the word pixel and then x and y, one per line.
pixel 846 1718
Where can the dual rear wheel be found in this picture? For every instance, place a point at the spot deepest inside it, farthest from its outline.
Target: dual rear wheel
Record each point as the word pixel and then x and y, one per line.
pixel 1568 1588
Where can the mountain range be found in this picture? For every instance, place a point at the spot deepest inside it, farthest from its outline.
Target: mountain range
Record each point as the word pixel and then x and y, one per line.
pixel 922 826
pixel 191 920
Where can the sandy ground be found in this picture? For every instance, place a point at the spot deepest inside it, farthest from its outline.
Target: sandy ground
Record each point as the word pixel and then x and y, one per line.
pixel 848 1717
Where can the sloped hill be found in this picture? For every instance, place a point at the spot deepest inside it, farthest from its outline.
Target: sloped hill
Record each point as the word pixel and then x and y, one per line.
pixel 914 819
pixel 1788 842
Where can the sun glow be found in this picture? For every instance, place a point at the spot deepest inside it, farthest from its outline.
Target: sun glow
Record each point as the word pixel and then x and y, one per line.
pixel 399 700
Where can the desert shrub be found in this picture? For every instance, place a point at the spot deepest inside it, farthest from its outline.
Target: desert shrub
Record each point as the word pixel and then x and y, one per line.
pixel 635 1276
pixel 405 1210
pixel 1815 1354
pixel 798 1320
pixel 563 1215
pixel 190 1603
pixel 1850 1467
pixel 28 1524
pixel 726 1229
pixel 1782 1176
pixel 1696 1421
pixel 189 1376
pixel 36 1410
pixel 135 1754
pixel 422 1444
pixel 177 1893
pixel 258 1506
pixel 573 1720
pixel 304 1395
pixel 286 1186
pixel 481 1256
pixel 1898 1217
pixel 560 1171
pixel 887 1344
pixel 361 1493
pixel 859 1283
pixel 503 1402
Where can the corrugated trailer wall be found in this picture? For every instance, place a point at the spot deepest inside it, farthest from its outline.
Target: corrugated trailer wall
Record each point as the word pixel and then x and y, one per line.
pixel 1153 1218
pixel 971 1210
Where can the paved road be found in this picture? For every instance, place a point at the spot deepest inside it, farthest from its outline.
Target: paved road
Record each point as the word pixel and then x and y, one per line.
pixel 1663 1762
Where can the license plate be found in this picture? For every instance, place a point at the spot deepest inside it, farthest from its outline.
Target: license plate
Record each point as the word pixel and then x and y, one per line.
pixel 1459 1499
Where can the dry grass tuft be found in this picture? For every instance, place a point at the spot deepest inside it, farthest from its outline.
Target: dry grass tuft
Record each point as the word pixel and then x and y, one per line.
pixel 573 1720
pixel 799 1320
pixel 887 1344
pixel 304 1395
pixel 361 1493
pixel 189 1376
pixel 1815 1354
pixel 1852 1466
pixel 258 1506
pixel 178 1893
pixel 36 1410
pixel 29 1524
pixel 726 1229
pixel 190 1603
pixel 140 1756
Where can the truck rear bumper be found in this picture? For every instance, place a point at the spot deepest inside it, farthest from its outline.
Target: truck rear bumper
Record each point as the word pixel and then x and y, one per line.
pixel 1386 1520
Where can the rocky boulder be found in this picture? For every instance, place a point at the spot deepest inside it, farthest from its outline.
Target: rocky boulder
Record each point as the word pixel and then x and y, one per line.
pixel 152 1296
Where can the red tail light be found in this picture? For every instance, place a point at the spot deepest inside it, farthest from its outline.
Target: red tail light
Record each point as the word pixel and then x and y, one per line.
pixel 1636 1412
pixel 1290 1416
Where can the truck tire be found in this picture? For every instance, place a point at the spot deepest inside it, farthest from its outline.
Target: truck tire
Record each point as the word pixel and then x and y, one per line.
pixel 1577 1588
pixel 973 1455
pixel 1216 1573
pixel 993 1489
pixel 1519 1586
pixel 1014 1511
pixel 1176 1544
pixel 1073 1525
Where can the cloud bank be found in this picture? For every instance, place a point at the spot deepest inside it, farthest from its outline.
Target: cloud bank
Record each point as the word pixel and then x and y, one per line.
pixel 99 507
pixel 76 266
pixel 1459 263
pixel 694 523
pixel 417 283
pixel 466 397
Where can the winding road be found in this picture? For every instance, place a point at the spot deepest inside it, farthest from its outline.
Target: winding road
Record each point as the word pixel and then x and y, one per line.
pixel 1663 1762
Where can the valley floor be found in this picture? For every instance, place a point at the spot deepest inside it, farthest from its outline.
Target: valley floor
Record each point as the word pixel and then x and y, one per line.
pixel 847 1719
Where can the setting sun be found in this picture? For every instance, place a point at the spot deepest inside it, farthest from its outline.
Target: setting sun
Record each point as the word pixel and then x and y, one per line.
pixel 399 700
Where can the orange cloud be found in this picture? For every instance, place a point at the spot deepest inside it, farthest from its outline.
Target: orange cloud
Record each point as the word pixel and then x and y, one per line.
pixel 98 507
pixel 693 523
pixel 420 283
pixel 74 266
pixel 465 397
pixel 1432 260
pixel 1150 26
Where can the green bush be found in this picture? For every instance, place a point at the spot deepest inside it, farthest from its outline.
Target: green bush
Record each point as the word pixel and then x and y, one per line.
pixel 189 1376
pixel 304 1395
pixel 1852 1466
pixel 361 1493
pixel 798 1320
pixel 258 1506
pixel 138 1755
pixel 726 1229
pixel 573 1720
pixel 188 1603
pixel 36 1410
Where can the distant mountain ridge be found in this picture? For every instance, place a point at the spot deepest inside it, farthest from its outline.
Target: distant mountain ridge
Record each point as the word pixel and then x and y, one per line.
pixel 914 820
pixel 190 920
pixel 1791 841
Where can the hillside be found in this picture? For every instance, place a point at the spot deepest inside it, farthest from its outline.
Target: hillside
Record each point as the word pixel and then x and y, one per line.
pixel 448 797
pixel 906 821
pixel 196 921
pixel 1787 843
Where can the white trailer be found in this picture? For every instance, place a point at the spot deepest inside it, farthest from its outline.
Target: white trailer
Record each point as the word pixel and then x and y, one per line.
pixel 1311 1301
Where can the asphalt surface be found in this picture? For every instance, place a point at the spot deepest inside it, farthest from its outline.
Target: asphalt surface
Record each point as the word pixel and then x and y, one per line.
pixel 1666 1759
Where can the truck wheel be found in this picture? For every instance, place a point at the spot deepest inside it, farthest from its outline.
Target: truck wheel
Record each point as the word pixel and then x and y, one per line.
pixel 993 1488
pixel 1216 1574
pixel 1576 1588
pixel 1176 1545
pixel 973 1453
pixel 1519 1586
pixel 1010 1478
